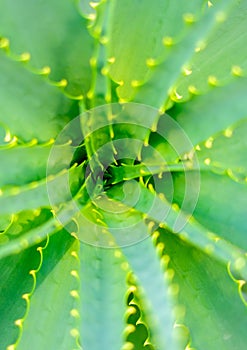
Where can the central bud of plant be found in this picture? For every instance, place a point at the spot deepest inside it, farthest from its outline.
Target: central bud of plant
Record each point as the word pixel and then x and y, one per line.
pixel 108 157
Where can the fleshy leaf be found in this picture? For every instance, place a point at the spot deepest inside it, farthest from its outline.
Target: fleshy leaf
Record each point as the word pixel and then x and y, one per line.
pixel 208 296
pixel 55 282
pixel 155 295
pixel 201 118
pixel 226 151
pixel 206 65
pixel 26 229
pixel 131 232
pixel 215 209
pixel 103 287
pixel 35 194
pixel 157 88
pixel 136 34
pixel 13 305
pixel 157 208
pixel 23 163
pixel 52 40
pixel 31 108
pixel 208 114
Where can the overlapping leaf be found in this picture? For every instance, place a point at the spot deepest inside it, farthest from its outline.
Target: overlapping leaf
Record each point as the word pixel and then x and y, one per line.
pixel 59 41
pixel 39 110
pixel 142 49
pixel 208 296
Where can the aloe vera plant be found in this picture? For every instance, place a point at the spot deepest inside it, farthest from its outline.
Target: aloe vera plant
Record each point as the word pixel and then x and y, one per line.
pixel 123 183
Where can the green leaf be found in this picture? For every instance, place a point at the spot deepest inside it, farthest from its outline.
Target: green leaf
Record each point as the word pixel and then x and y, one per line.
pixel 208 296
pixel 156 90
pixel 200 120
pixel 136 34
pixel 140 334
pixel 31 108
pixel 157 208
pixel 30 227
pixel 208 114
pixel 55 282
pixel 132 234
pixel 157 302
pixel 100 87
pixel 55 36
pixel 221 205
pixel 227 44
pixel 13 306
pixel 226 151
pixel 27 229
pixel 21 164
pixel 35 194
pixel 103 287
pixel 25 221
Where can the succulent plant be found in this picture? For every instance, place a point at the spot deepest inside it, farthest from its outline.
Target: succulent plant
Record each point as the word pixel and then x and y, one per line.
pixel 123 183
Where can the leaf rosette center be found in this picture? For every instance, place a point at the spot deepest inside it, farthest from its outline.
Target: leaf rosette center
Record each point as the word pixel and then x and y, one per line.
pixel 116 174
